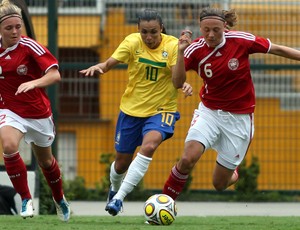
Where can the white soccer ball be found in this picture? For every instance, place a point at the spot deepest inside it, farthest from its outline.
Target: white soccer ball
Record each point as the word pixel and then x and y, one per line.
pixel 160 209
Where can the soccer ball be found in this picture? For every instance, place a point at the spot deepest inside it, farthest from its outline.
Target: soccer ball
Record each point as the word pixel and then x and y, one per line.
pixel 160 209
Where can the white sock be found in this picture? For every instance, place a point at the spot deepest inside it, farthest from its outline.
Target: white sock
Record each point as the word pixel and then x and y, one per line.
pixel 135 173
pixel 115 178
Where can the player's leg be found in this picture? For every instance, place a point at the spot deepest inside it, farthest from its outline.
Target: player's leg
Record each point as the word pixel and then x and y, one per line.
pixel 180 172
pixel 11 133
pixel 155 130
pixel 41 137
pixel 223 177
pixel 201 135
pixel 237 132
pixel 52 174
pixel 136 170
pixel 128 136
pixel 15 166
pixel 140 164
pixel 118 169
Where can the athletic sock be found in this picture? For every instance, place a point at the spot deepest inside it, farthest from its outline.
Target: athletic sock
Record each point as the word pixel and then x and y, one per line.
pixel 17 172
pixel 54 180
pixel 175 183
pixel 135 173
pixel 115 178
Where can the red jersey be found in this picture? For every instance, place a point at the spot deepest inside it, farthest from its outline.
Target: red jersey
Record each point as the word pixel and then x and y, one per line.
pixel 225 70
pixel 25 61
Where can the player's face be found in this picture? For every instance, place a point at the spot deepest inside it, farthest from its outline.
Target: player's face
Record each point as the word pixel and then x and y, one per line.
pixel 150 33
pixel 10 30
pixel 212 31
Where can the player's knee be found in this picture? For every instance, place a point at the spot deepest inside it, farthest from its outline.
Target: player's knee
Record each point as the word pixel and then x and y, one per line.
pixel 149 148
pixel 9 147
pixel 121 169
pixel 186 164
pixel 121 166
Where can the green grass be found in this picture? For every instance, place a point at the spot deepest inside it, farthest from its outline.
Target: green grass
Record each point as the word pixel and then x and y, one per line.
pixel 50 222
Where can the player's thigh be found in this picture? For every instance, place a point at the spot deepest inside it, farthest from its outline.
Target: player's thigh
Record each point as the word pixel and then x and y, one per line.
pixel 203 128
pixel 12 130
pixel 128 135
pixel 235 140
pixel 164 123
pixel 41 132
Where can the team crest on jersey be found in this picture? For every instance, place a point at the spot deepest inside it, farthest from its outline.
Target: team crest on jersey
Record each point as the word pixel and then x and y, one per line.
pixel 233 64
pixel 22 70
pixel 164 54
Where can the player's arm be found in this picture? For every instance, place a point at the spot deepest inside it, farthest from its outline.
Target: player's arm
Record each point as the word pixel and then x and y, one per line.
pixel 100 68
pixel 51 76
pixel 186 88
pixel 285 51
pixel 178 71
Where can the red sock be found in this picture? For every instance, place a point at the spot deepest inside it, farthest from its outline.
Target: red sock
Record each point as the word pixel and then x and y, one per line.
pixel 54 180
pixel 175 183
pixel 17 172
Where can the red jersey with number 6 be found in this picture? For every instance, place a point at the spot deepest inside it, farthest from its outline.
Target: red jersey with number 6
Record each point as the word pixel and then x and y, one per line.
pixel 25 61
pixel 225 70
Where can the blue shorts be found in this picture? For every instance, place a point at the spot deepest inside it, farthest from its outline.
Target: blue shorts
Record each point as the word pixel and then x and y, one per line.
pixel 131 130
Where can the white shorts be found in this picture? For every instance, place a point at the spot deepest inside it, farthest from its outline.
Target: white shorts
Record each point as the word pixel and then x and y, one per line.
pixel 229 134
pixel 39 131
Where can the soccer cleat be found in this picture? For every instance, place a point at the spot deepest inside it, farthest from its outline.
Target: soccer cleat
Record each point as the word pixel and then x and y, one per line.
pixel 114 207
pixel 27 208
pixel 111 195
pixel 63 209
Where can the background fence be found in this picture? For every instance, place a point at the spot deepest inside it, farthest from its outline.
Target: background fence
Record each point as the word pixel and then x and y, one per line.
pixel 90 30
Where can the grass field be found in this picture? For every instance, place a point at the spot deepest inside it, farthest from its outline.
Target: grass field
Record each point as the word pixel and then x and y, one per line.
pixel 50 222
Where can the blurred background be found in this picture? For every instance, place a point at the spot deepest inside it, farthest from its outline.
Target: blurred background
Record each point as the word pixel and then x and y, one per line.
pixel 82 33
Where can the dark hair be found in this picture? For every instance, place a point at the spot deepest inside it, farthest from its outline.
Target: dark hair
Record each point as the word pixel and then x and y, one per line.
pixel 150 14
pixel 228 16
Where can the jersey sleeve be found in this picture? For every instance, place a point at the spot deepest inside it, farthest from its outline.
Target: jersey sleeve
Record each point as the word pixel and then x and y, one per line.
pixel 122 53
pixel 41 55
pixel 189 56
pixel 260 45
pixel 172 43
pixel 47 61
pixel 190 63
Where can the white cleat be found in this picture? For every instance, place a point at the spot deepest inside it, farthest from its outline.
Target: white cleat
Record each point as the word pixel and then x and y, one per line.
pixel 63 209
pixel 27 208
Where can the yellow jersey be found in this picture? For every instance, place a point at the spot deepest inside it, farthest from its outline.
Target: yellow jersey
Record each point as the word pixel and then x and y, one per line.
pixel 150 89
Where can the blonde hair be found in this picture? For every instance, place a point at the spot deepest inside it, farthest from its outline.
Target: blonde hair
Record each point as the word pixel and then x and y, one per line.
pixel 8 9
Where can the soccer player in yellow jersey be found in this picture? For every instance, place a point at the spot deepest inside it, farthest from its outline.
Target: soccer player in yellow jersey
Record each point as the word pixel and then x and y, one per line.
pixel 148 109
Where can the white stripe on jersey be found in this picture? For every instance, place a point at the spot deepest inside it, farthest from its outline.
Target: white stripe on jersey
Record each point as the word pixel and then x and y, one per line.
pixel 37 48
pixel 239 34
pixel 229 34
pixel 194 46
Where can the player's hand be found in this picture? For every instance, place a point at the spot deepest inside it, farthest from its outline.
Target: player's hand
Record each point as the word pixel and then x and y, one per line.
pixel 187 89
pixel 25 87
pixel 95 69
pixel 185 39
